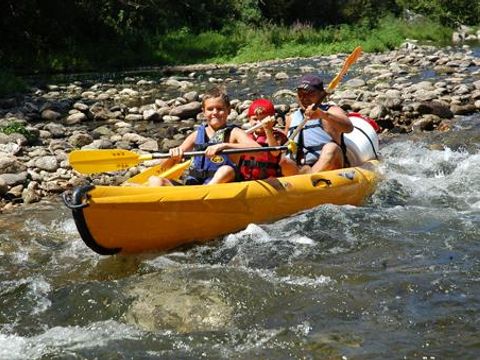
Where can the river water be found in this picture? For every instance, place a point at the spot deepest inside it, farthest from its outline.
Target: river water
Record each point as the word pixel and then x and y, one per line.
pixel 398 278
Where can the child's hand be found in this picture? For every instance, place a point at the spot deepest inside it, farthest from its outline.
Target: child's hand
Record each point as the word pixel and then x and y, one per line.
pixel 213 150
pixel 176 154
pixel 268 123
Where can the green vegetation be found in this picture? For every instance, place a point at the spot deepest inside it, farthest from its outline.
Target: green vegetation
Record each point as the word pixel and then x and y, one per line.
pixel 9 83
pixel 85 35
pixel 241 43
pixel 19 128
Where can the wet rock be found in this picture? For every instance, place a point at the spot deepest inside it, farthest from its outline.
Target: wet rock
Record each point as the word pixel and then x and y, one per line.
pixel 164 301
pixel 463 109
pixel 434 107
pixel 426 122
pixel 15 193
pixel 30 194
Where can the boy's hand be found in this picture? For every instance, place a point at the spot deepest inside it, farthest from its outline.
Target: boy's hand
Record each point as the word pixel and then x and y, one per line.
pixel 213 150
pixel 176 154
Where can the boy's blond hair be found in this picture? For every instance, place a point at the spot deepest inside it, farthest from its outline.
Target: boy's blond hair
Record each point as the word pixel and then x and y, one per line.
pixel 216 92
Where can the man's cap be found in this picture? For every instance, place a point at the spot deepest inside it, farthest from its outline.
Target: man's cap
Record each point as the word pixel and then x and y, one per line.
pixel 261 106
pixel 310 82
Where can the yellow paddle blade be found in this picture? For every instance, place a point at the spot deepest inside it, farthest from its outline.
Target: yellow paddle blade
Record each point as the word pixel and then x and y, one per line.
pixel 351 59
pixel 96 161
pixel 176 171
pixel 172 173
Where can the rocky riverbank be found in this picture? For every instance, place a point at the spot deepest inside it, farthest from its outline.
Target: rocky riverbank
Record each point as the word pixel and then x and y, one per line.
pixel 412 89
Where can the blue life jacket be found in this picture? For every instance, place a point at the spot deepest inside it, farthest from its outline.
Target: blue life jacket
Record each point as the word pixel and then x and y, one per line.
pixel 311 138
pixel 203 168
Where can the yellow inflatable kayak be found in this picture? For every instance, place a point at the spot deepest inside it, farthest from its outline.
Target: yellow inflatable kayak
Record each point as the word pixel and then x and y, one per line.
pixel 116 219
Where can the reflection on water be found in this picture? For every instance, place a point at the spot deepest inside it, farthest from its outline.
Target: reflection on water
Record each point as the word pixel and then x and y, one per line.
pixel 396 276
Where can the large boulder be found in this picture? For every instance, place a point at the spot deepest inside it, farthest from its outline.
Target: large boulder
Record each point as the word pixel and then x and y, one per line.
pixel 187 111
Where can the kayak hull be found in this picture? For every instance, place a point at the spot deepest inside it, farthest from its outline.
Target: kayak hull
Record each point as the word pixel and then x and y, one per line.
pixel 113 219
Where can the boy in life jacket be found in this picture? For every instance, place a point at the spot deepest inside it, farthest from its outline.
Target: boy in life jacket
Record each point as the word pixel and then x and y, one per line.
pixel 319 143
pixel 263 165
pixel 211 137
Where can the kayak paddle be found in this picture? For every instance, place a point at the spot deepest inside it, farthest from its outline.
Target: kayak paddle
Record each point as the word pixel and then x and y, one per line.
pixel 95 161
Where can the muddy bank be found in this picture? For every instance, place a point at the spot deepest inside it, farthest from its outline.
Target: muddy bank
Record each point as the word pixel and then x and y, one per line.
pixel 412 89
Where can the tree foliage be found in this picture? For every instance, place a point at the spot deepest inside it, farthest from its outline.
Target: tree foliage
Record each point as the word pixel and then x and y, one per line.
pixel 63 35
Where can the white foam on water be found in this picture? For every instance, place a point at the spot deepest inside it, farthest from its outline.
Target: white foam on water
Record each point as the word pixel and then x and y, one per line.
pixel 301 240
pixel 272 277
pixel 434 174
pixel 252 231
pixel 38 291
pixel 70 338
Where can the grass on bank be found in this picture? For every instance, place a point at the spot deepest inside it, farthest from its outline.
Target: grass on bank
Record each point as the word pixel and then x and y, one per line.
pixel 241 44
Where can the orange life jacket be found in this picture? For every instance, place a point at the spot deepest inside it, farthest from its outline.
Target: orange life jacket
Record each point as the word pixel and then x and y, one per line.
pixel 262 165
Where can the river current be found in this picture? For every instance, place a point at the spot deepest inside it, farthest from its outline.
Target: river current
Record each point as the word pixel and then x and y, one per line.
pixel 397 278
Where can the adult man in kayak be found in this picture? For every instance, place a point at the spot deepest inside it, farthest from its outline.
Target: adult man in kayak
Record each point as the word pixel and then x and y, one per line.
pixel 264 164
pixel 319 142
pixel 213 137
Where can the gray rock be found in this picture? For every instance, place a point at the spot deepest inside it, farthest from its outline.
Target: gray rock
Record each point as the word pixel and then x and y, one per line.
pixel 29 194
pixel 169 143
pixel 355 83
pixel 10 164
pixel 189 96
pixel 186 111
pixel 149 145
pixel 78 140
pixel 152 115
pixel 50 115
pixel 281 76
pixel 134 117
pixel 99 144
pixel 14 179
pixel 76 118
pixel 80 106
pixel 56 130
pixel 133 138
pixel 48 163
